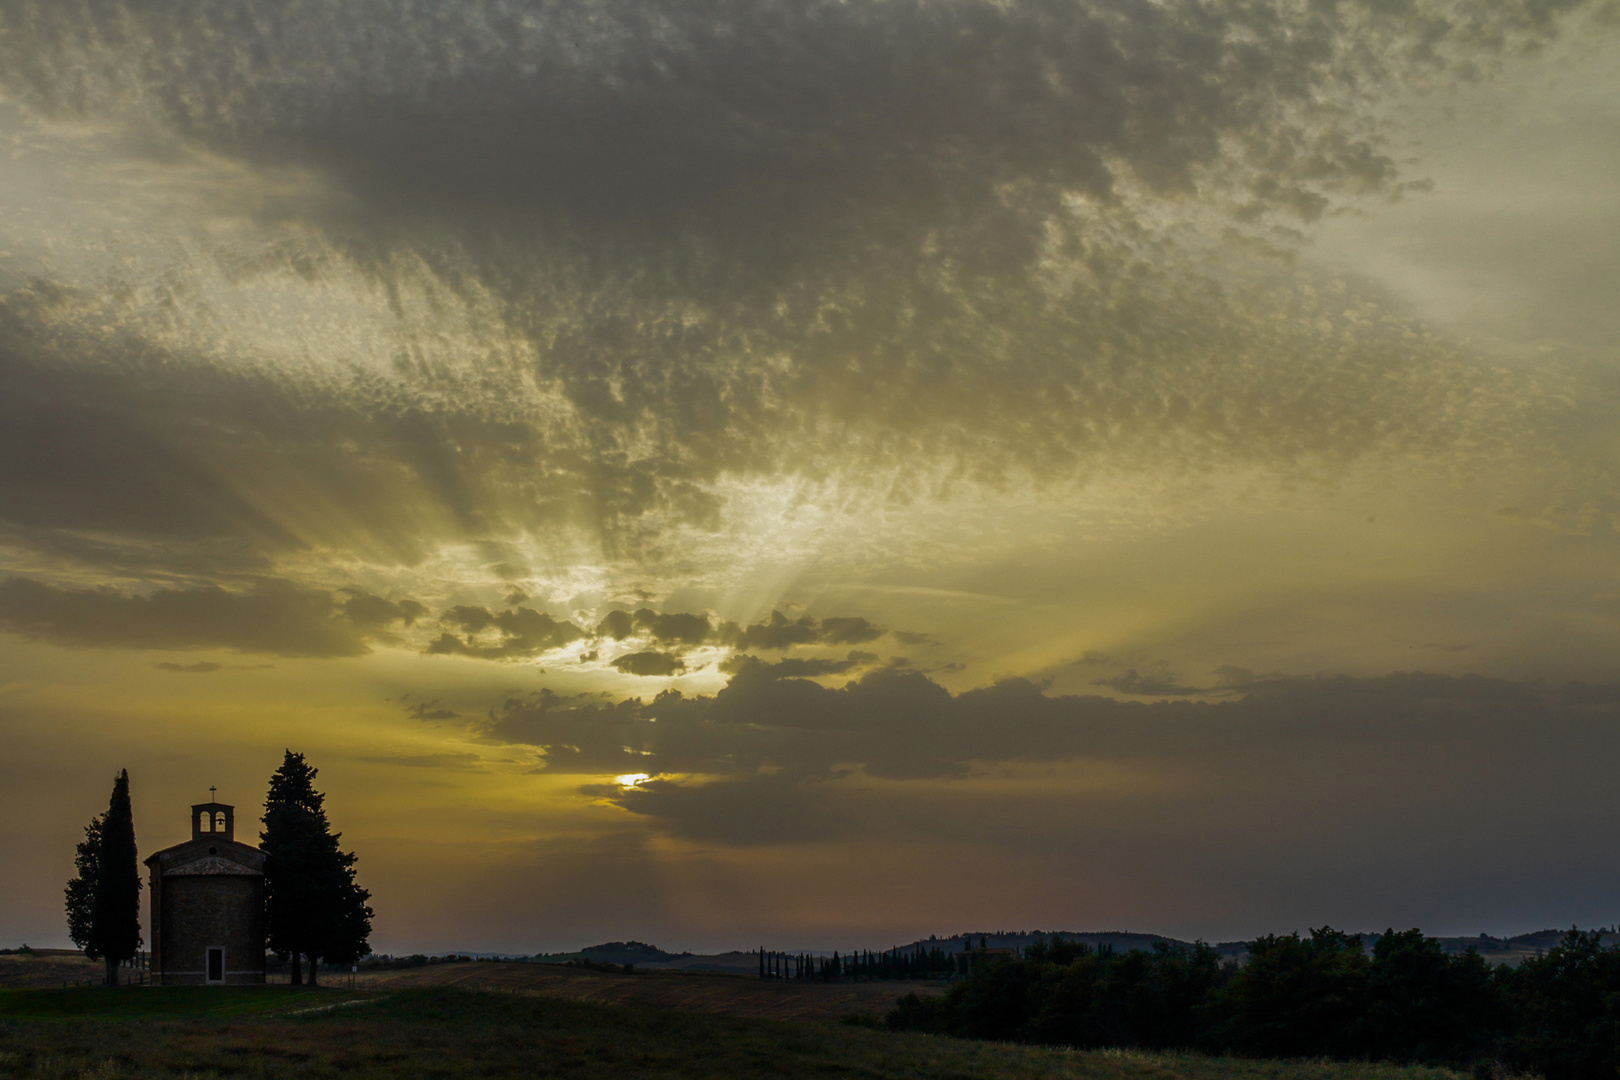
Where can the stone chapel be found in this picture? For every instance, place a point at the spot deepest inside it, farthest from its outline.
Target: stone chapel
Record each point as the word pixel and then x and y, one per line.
pixel 207 905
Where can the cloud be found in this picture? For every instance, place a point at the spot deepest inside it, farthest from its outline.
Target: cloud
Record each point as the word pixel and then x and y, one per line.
pixel 681 631
pixel 616 625
pixel 578 734
pixel 760 125
pixel 520 633
pixel 780 632
pixel 1148 685
pixel 430 710
pixel 684 247
pixel 794 667
pixel 777 751
pixel 649 663
pixel 524 632
pixel 366 610
pixel 276 618
pixel 912 637
pixel 80 453
pixel 849 631
pixel 202 667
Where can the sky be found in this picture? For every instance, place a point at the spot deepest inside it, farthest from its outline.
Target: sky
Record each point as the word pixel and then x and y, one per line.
pixel 820 474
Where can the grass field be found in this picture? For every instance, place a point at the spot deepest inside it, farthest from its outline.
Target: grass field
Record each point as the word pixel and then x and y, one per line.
pixel 49 969
pixel 687 991
pixel 177 1002
pixel 447 1034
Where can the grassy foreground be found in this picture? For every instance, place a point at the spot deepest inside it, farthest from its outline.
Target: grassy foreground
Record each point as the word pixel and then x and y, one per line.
pixel 448 1033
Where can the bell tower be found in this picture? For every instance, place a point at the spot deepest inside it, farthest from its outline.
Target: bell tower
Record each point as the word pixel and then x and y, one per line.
pixel 213 821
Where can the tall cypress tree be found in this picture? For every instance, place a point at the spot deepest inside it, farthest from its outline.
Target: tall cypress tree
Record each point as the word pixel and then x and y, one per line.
pixel 313 908
pixel 104 900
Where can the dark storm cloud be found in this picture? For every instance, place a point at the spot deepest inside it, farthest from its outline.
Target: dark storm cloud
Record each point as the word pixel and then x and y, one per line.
pixel 767 749
pixel 276 618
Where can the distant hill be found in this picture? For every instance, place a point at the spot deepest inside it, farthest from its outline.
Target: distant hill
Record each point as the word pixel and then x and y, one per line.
pixel 1510 950
pixel 1118 940
pixel 618 952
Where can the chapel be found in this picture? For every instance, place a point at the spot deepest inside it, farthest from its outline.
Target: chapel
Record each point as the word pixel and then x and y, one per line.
pixel 207 905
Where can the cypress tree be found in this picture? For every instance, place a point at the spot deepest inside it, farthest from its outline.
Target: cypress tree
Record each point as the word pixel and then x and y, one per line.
pixel 313 908
pixel 104 900
pixel 118 882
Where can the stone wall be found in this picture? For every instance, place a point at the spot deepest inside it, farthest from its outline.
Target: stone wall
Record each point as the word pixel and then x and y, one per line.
pixel 199 911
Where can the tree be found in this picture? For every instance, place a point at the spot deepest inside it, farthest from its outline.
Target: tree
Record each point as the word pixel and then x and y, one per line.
pixel 1567 1007
pixel 1299 997
pixel 1425 1006
pixel 313 908
pixel 81 891
pixel 104 900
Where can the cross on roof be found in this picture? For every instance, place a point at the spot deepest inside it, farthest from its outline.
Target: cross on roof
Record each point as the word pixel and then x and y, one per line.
pixel 211 790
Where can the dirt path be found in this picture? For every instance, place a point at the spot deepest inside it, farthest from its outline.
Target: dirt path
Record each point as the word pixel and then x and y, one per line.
pixel 691 992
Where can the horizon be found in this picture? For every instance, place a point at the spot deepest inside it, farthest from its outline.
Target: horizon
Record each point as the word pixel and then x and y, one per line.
pixel 821 472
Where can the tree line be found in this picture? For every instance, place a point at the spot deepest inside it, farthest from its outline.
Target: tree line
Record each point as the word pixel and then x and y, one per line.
pixel 314 909
pixel 1321 995
pixel 897 963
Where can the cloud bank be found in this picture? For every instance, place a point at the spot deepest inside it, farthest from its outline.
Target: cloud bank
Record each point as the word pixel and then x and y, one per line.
pixel 625 257
pixel 276 618
pixel 776 759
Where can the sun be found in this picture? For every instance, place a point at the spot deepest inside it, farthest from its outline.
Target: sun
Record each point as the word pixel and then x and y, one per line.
pixel 629 780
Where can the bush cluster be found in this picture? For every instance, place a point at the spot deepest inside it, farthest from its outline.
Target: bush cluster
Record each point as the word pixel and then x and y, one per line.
pixel 1323 995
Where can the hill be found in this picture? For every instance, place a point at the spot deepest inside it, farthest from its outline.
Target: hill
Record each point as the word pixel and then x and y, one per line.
pixel 617 952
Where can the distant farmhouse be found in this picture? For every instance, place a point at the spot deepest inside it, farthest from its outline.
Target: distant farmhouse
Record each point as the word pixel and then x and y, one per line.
pixel 208 905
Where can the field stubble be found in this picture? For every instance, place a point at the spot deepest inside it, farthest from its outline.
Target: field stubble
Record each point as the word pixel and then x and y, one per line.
pixel 686 991
pixel 446 1033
